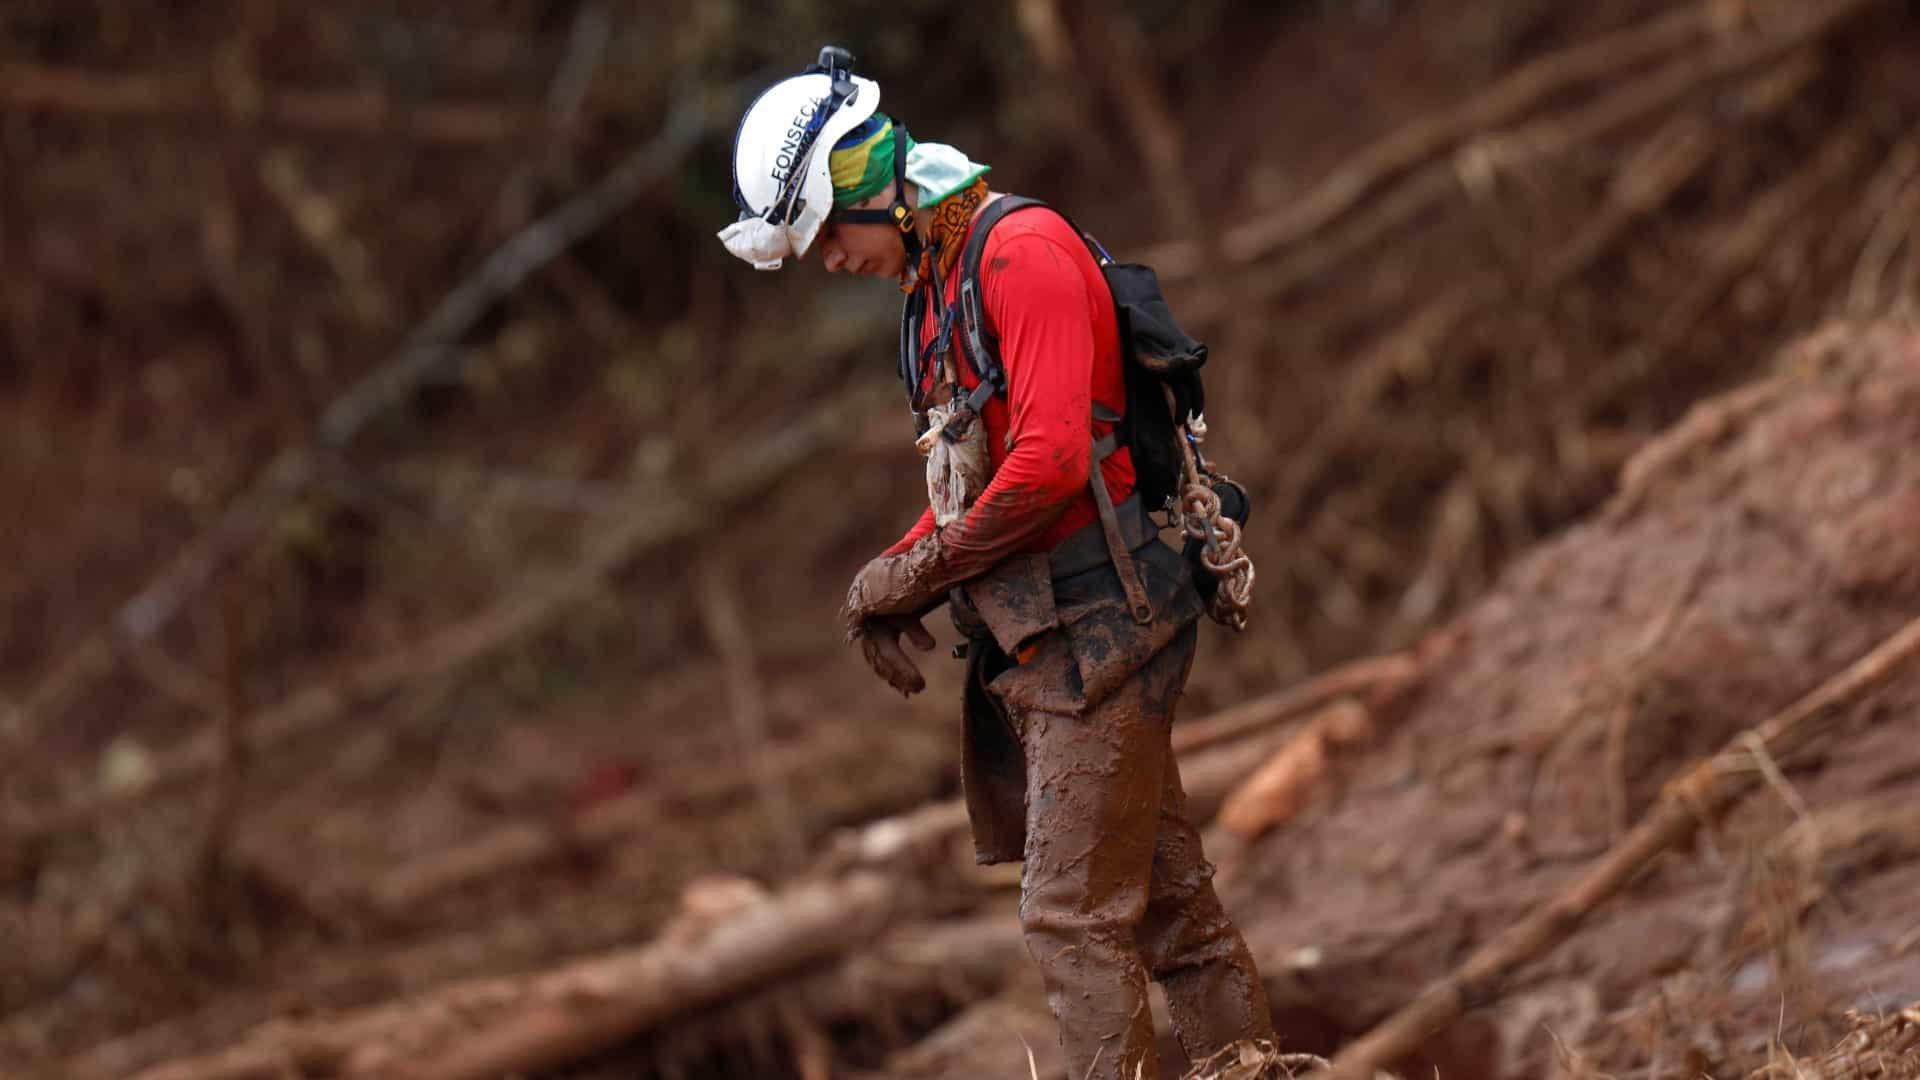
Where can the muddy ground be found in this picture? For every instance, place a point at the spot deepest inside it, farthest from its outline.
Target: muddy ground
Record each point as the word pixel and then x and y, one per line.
pixel 550 635
pixel 1754 551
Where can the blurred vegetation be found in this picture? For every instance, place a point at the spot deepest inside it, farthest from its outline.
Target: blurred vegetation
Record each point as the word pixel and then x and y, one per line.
pixel 292 323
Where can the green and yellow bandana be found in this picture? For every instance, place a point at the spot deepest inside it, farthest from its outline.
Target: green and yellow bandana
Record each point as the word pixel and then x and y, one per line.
pixel 861 163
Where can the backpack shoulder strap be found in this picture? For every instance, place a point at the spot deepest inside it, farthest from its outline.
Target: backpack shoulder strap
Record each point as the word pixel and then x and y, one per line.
pixel 983 351
pixel 982 347
pixel 910 344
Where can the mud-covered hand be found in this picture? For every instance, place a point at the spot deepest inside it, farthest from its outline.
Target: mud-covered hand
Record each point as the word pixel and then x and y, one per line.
pixel 905 584
pixel 879 639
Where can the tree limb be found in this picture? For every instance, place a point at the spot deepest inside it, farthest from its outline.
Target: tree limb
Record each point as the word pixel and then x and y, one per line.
pixel 1703 792
pixel 1364 679
pixel 426 355
pixel 150 96
pixel 1331 202
pixel 527 611
pixel 493 1027
pixel 1360 174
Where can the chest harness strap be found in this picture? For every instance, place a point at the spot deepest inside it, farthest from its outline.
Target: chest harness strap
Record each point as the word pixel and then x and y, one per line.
pixel 981 346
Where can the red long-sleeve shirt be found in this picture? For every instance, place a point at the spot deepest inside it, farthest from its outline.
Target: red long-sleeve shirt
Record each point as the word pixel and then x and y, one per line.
pixel 1060 345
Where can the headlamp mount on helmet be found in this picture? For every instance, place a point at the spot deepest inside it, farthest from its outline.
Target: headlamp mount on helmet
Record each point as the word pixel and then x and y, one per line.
pixel 782 176
pixel 837 63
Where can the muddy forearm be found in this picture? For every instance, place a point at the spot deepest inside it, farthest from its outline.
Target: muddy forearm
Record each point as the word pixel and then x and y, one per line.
pixel 1003 522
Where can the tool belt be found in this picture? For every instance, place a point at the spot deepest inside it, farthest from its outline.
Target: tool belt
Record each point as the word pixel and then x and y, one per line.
pixel 1059 643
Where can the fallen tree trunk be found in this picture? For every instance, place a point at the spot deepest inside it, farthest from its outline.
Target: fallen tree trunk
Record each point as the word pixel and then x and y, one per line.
pixel 1284 785
pixel 497 1027
pixel 1210 779
pixel 550 1018
pixel 957 960
pixel 1705 791
pixel 1377 678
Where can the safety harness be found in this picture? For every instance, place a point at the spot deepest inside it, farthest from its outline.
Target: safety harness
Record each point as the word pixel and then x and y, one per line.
pixel 1163 425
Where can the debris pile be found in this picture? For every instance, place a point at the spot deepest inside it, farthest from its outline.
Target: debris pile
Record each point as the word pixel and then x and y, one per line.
pixel 382 690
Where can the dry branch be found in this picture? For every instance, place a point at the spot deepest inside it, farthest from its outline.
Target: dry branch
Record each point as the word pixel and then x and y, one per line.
pixel 227 789
pixel 1283 786
pixel 1347 237
pixel 1874 830
pixel 1211 775
pixel 525 845
pixel 1705 425
pixel 1456 529
pixel 496 1027
pixel 1216 754
pixel 448 480
pixel 1750 239
pixel 1403 149
pixel 1651 176
pixel 1878 1048
pixel 1370 679
pixel 1656 171
pixel 1543 140
pixel 1348 185
pixel 509 849
pixel 148 96
pixel 724 616
pixel 1372 377
pixel 1705 791
pixel 1887 203
pixel 1249 1061
pixel 958 959
pixel 426 354
pixel 525 612
pixel 1118 56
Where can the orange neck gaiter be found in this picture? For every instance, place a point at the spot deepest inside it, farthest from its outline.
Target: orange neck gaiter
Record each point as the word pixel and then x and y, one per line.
pixel 944 234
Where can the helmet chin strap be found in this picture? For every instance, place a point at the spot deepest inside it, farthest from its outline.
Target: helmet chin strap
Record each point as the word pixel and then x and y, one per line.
pixel 899 214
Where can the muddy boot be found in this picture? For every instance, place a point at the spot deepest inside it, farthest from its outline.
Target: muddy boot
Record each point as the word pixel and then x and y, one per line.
pixel 1094 787
pixel 1191 947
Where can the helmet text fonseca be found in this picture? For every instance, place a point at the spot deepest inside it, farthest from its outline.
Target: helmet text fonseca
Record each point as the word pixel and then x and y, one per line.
pixel 789 155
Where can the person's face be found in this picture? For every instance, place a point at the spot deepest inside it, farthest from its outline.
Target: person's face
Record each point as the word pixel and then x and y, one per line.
pixel 863 249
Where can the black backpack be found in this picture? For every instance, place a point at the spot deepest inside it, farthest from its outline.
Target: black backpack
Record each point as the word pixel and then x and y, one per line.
pixel 1161 361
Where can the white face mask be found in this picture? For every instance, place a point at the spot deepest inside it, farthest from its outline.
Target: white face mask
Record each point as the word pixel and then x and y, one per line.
pixel 759 242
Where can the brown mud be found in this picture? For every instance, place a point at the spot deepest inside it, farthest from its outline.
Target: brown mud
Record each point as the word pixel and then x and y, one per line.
pixel 533 659
pixel 1114 889
pixel 1753 551
pixel 1550 716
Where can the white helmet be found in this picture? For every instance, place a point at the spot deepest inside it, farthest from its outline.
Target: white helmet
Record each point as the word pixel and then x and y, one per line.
pixel 781 176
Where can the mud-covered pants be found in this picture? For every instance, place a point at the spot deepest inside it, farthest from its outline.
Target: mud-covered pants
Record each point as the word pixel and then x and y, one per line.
pixel 1115 889
pixel 1070 766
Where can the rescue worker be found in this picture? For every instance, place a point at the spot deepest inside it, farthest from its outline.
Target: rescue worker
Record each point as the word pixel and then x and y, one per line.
pixel 1069 696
